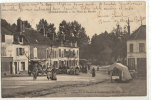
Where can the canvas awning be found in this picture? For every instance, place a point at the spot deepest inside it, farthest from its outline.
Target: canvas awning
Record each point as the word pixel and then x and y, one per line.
pixel 126 74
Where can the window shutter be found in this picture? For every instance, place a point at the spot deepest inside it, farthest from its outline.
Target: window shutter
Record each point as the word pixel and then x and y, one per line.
pixel 23 51
pixel 17 51
pixel 35 52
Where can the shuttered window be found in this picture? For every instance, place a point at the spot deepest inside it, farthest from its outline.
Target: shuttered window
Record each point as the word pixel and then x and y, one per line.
pixel 131 47
pixel 20 51
pixel 141 47
pixel 17 51
pixel 59 52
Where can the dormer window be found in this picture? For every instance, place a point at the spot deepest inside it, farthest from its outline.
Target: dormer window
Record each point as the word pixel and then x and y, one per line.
pixel 20 39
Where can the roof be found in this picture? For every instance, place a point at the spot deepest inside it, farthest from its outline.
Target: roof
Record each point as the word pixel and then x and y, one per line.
pixel 6 31
pixel 31 36
pixel 34 37
pixel 139 34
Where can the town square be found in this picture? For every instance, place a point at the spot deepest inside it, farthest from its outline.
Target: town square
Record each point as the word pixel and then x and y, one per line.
pixel 73 49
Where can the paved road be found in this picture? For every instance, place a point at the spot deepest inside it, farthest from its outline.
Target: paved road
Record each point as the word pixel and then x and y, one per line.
pixel 82 85
pixel 15 86
pixel 105 89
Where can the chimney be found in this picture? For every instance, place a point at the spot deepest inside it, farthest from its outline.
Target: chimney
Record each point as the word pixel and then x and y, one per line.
pixel 19 25
pixel 128 27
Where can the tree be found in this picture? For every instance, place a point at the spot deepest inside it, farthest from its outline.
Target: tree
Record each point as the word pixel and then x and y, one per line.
pixel 51 31
pixel 72 32
pixel 14 27
pixel 8 26
pixel 64 31
pixel 46 29
pixel 42 26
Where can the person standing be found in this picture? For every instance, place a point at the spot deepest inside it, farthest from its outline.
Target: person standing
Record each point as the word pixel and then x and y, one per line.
pixel 97 68
pixel 35 72
pixel 53 73
pixel 48 73
pixel 93 72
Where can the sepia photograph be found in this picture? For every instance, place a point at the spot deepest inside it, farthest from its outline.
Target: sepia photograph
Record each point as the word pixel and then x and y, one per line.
pixel 73 49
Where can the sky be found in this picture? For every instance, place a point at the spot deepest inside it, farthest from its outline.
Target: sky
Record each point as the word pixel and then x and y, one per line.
pixel 103 16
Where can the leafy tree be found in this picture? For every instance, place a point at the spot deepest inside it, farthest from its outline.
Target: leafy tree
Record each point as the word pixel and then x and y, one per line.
pixel 42 26
pixel 51 31
pixel 46 29
pixel 8 26
pixel 72 32
pixel 64 31
pixel 109 47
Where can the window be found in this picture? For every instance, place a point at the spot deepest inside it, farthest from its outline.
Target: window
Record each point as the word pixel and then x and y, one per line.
pixel 131 63
pixel 62 54
pixel 69 53
pixel 131 47
pixel 23 66
pixel 35 52
pixel 59 52
pixel 3 51
pixel 141 47
pixel 3 38
pixel 65 53
pixel 74 55
pixel 55 55
pixel 19 51
pixel 77 53
pixel 52 53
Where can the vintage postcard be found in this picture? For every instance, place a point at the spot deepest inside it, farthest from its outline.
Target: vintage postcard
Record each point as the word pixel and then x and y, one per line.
pixel 73 49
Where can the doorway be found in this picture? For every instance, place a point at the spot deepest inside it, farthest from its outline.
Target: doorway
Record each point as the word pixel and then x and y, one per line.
pixel 15 63
pixel 11 68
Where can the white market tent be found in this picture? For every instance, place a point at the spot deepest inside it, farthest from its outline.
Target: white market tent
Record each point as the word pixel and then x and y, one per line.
pixel 126 74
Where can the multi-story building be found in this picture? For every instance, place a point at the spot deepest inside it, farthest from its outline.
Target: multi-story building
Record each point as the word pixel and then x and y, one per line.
pixel 136 51
pixel 18 48
pixel 12 53
pixel 63 55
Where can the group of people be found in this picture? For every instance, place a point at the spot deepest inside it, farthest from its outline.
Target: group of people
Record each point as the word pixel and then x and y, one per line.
pixel 51 73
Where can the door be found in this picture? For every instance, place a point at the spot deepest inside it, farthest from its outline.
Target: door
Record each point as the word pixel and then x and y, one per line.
pixel 131 63
pixel 15 63
pixel 23 66
pixel 11 68
pixel 141 66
